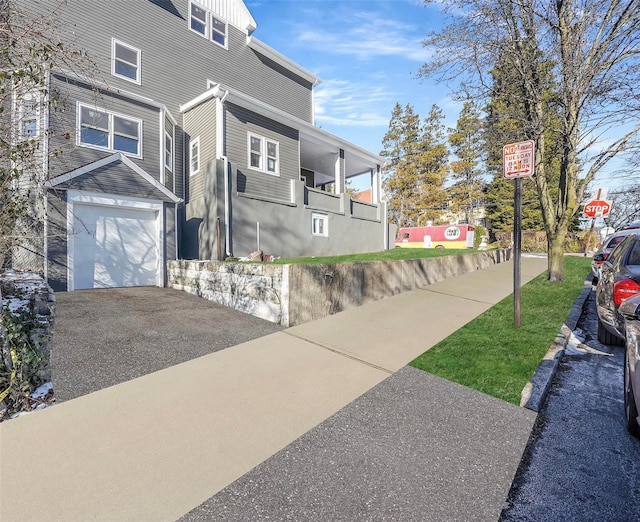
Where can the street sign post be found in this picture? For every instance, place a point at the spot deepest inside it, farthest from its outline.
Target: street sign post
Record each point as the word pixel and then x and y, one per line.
pixel 518 161
pixel 597 207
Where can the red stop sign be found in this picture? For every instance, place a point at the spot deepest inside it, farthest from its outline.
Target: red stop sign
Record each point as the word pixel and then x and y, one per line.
pixel 596 208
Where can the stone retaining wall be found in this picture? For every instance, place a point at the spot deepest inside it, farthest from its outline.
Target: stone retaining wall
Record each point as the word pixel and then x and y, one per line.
pixel 27 295
pixel 298 293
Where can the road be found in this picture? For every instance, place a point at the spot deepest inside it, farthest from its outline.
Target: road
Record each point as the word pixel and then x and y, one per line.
pixel 580 463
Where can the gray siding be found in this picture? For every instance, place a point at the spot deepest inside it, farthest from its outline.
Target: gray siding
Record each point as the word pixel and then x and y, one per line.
pixel 57 239
pixel 176 62
pixel 64 127
pixel 239 122
pixel 200 122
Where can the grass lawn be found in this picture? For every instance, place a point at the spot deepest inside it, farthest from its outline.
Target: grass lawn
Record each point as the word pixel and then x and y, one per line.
pixel 490 355
pixel 394 254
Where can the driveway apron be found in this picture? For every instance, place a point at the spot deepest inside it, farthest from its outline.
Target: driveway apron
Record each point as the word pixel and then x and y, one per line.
pixel 106 337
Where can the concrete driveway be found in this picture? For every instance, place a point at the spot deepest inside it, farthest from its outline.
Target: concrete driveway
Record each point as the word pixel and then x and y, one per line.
pixel 106 337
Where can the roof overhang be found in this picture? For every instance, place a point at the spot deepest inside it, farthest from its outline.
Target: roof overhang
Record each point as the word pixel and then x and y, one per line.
pixel 117 157
pixel 316 145
pixel 281 59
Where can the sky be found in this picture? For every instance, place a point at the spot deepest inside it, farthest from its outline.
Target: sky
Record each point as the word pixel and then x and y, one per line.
pixel 367 54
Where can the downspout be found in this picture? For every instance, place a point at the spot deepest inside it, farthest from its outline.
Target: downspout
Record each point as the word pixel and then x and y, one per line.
pixel 227 210
pixel 227 182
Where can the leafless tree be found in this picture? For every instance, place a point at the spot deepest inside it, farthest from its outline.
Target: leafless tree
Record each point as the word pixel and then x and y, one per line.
pixel 591 48
pixel 31 47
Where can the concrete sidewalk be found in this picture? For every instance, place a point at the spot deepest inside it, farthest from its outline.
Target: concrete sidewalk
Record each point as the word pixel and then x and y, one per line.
pixel 157 447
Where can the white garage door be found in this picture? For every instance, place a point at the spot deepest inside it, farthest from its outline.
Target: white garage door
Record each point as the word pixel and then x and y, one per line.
pixel 114 246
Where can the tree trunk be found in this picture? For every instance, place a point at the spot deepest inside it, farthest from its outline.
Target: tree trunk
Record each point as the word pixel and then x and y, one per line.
pixel 555 244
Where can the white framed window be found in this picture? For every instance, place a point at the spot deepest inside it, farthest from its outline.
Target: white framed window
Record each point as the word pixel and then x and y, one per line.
pixel 102 129
pixel 126 61
pixel 319 224
pixel 218 30
pixel 168 151
pixel 207 24
pixel 198 19
pixel 28 114
pixel 194 156
pixel 264 154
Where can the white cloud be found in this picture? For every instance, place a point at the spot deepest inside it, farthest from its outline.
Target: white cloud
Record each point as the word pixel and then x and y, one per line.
pixel 352 103
pixel 367 36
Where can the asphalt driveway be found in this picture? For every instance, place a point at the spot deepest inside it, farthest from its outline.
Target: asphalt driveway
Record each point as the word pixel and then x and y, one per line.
pixel 105 337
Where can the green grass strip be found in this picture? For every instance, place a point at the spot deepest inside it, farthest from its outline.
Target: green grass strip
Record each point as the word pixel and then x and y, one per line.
pixel 395 254
pixel 490 355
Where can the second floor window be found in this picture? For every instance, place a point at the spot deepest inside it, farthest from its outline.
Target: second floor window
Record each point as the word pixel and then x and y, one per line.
pixel 126 61
pixel 102 129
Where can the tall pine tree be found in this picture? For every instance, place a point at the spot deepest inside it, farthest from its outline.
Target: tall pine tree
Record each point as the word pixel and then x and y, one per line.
pixel 416 166
pixel 466 171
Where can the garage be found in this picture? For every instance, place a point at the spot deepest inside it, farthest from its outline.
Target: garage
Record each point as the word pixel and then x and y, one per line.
pixel 118 237
pixel 114 241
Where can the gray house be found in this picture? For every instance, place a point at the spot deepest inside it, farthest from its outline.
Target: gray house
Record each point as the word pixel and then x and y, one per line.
pixel 192 140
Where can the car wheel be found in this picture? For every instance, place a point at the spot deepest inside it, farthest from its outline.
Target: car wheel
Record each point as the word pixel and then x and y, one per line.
pixel 630 410
pixel 606 337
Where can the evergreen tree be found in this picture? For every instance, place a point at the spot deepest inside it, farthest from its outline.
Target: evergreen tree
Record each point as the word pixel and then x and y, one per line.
pixel 466 171
pixel 416 166
pixel 505 123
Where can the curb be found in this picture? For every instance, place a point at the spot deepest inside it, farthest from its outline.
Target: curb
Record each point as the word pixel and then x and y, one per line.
pixel 535 391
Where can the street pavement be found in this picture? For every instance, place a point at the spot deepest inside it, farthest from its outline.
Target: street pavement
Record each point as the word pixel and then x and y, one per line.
pixel 581 462
pixel 322 421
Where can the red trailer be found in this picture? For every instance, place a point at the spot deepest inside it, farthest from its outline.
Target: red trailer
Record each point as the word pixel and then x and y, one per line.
pixel 436 236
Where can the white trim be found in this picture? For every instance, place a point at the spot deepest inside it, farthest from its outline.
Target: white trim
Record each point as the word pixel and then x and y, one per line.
pixel 194 141
pixel 324 218
pixel 110 200
pixel 211 92
pixel 118 156
pixel 138 79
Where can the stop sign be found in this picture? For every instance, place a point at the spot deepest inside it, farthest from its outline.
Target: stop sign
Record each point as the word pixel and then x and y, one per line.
pixel 597 208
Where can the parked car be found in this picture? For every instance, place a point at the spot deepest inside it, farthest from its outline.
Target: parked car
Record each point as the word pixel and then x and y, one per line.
pixel 619 280
pixel 603 252
pixel 629 226
pixel 630 310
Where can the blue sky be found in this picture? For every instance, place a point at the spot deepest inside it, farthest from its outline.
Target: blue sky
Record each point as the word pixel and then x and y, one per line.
pixel 367 54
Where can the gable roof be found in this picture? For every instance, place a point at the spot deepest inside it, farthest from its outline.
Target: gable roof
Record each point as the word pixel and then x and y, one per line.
pixel 144 184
